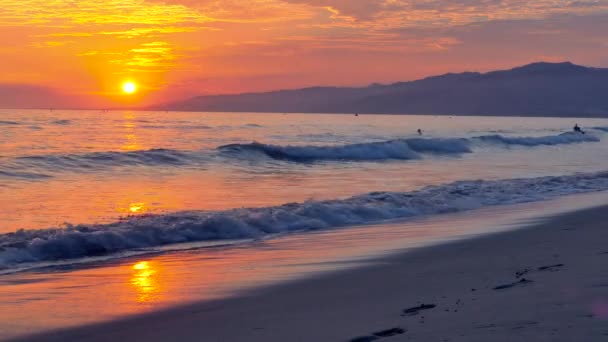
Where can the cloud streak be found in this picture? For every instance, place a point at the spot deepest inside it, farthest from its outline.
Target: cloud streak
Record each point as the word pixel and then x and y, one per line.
pixel 64 13
pixel 409 13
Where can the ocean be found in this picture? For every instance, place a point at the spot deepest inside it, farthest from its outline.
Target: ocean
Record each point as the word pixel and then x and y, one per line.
pixel 109 201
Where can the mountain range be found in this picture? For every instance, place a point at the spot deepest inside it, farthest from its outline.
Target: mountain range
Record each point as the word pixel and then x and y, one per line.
pixel 537 89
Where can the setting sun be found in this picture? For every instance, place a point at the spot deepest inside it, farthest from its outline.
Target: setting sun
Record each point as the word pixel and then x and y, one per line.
pixel 129 87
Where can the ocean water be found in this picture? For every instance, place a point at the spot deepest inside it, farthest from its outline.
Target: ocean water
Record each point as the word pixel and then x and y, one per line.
pixel 78 184
pixel 88 195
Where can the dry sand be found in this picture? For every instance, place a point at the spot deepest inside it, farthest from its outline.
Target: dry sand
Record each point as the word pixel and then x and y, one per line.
pixel 548 282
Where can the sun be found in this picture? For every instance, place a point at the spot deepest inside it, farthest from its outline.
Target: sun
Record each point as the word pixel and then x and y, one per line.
pixel 129 87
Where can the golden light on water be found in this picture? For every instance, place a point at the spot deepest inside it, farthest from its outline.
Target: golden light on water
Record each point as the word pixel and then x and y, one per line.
pixel 136 208
pixel 129 87
pixel 144 280
pixel 130 130
pixel 142 265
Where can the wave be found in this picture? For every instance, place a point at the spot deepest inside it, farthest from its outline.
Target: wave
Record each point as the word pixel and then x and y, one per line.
pixel 440 146
pixel 72 242
pixel 402 149
pixel 62 122
pixel 564 138
pixel 398 149
pixel 96 160
pixel 44 166
pixel 5 122
pixel 603 129
pixel 151 125
pixel 178 127
pixel 23 175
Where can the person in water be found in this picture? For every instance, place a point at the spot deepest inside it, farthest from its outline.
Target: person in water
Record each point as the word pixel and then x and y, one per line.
pixel 419 131
pixel 577 129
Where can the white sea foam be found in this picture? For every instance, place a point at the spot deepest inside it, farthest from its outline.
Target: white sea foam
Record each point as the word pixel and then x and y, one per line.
pixel 564 138
pixel 26 246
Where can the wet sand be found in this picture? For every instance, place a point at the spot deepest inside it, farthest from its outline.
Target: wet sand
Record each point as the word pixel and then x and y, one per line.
pixel 547 282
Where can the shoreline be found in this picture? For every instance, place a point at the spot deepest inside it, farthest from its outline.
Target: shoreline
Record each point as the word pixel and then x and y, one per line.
pixel 543 282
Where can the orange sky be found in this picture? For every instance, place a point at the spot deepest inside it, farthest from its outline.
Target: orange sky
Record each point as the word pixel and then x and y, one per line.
pixel 79 52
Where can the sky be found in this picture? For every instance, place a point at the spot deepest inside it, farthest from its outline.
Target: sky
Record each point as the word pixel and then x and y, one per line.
pixel 79 53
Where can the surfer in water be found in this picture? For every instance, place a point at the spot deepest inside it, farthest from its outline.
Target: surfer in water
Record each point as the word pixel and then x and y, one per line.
pixel 578 129
pixel 419 131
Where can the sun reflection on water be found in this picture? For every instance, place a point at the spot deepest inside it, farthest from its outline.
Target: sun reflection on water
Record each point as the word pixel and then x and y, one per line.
pixel 131 140
pixel 145 281
pixel 137 208
pixel 129 209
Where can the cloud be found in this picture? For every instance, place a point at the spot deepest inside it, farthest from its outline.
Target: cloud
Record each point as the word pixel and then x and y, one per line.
pixel 51 43
pixel 362 10
pixel 149 31
pixel 246 11
pixel 425 13
pixel 62 13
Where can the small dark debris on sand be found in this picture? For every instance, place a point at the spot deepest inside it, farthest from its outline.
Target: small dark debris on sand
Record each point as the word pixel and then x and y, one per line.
pixel 389 332
pixel 525 271
pixel 364 339
pixel 523 324
pixel 416 309
pixel 521 273
pixel 522 281
pixel 551 267
pixel 380 334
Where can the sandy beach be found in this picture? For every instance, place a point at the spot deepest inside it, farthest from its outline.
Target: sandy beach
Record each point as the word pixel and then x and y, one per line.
pixel 547 282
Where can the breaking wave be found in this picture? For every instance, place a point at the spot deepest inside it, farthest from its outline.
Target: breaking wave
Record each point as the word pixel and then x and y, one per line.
pixel 564 138
pixel 402 149
pixel 140 233
pixel 398 149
